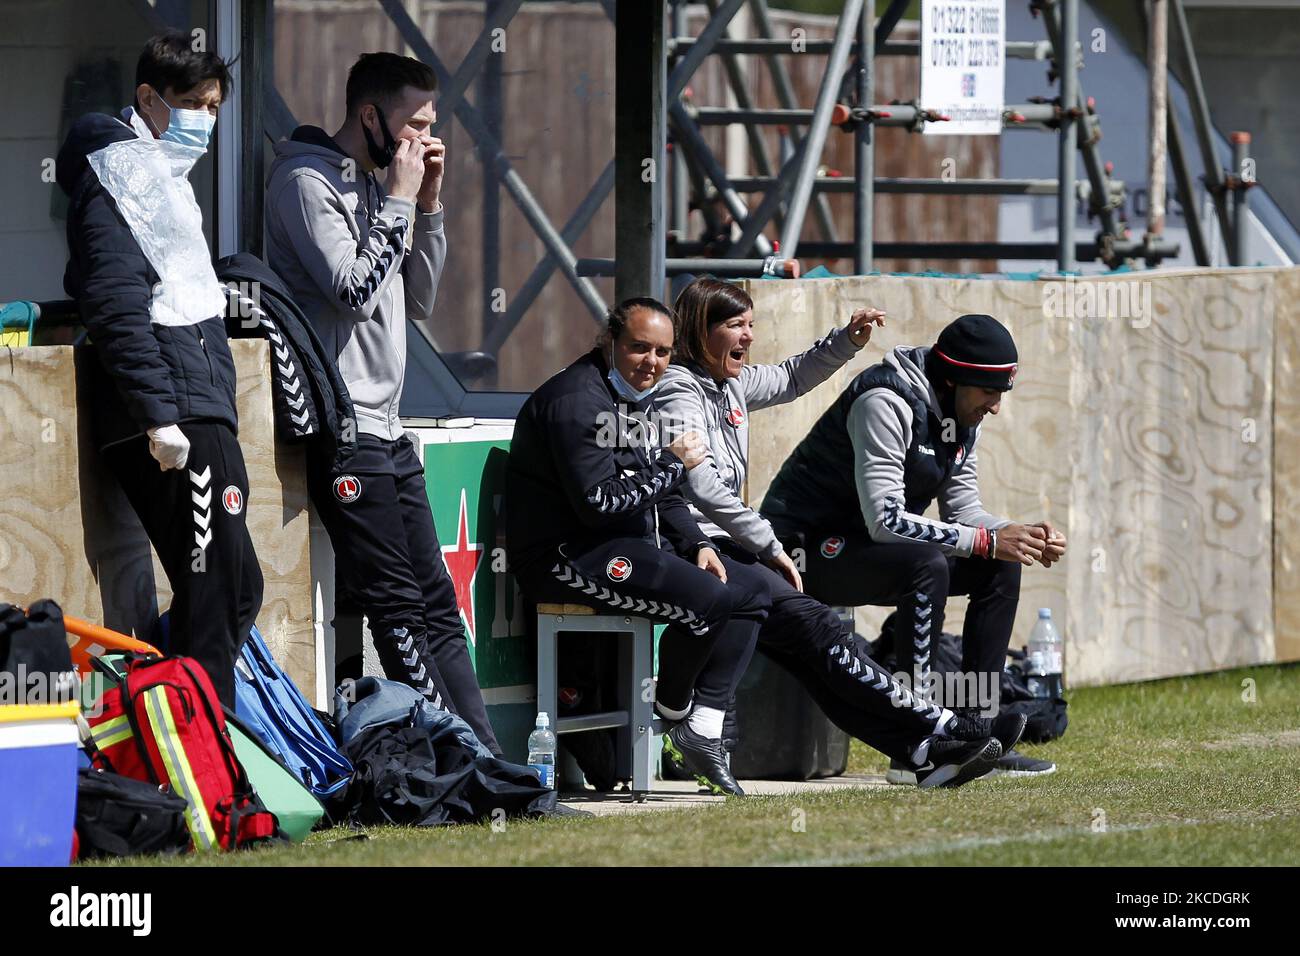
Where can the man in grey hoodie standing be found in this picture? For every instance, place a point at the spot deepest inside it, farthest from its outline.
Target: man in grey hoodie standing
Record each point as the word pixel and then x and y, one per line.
pixel 361 258
pixel 854 493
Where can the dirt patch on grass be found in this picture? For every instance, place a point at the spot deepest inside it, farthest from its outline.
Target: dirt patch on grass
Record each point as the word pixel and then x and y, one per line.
pixel 1285 738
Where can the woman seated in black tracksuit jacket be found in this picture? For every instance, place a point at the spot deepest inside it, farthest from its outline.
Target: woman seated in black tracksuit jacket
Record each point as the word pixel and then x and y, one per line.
pixel 595 517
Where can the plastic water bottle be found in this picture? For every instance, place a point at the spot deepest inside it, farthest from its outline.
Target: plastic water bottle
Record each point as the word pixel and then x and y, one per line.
pixel 541 751
pixel 1044 674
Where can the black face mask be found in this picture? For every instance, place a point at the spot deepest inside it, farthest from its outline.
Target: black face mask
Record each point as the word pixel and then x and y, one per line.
pixel 380 156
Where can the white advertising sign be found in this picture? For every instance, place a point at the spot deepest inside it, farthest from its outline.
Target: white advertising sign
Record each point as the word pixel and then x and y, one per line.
pixel 963 65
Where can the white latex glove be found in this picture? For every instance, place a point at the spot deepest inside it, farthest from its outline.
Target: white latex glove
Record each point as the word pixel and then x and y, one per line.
pixel 169 446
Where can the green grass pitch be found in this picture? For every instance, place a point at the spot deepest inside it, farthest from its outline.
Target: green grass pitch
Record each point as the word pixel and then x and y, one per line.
pixel 1189 771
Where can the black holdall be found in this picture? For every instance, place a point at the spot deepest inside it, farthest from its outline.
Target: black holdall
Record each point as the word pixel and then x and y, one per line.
pixel 34 650
pixel 1047 715
pixel 119 816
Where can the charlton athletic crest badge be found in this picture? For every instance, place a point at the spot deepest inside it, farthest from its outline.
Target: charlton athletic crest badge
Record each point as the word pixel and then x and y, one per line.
pixel 736 417
pixel 347 488
pixel 232 499
pixel 832 546
pixel 618 569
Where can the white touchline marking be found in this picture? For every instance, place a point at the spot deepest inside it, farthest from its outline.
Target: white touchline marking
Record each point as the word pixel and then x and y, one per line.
pixel 969 843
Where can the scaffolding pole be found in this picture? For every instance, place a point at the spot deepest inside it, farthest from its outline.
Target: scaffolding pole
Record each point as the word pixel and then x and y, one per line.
pixel 639 148
pixel 542 272
pixel 1214 180
pixel 769 46
pixel 1240 190
pixel 1067 67
pixel 812 146
pixel 1186 195
pixel 739 88
pixel 1083 251
pixel 702 47
pixel 892 114
pixel 690 139
pixel 681 193
pixel 785 96
pixel 751 234
pixel 1183 181
pixel 491 101
pixel 934 187
pixel 864 158
pixel 736 268
pixel 1101 204
pixel 1158 70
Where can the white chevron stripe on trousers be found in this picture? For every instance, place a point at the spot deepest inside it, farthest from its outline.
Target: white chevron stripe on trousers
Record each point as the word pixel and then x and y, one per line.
pixel 567 574
pixel 921 616
pixel 415 669
pixel 201 495
pixel 879 680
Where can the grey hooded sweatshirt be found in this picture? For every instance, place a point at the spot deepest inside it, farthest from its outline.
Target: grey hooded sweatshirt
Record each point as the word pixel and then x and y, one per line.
pixel 880 427
pixel 359 263
pixel 688 399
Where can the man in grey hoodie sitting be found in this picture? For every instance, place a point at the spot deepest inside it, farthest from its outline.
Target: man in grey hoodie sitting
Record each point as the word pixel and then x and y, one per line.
pixel 360 258
pixel 854 493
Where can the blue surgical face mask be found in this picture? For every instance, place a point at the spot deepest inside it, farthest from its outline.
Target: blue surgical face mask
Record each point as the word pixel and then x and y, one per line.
pixel 188 127
pixel 624 387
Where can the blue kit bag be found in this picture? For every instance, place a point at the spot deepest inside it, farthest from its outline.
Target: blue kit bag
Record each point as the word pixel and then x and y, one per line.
pixel 269 705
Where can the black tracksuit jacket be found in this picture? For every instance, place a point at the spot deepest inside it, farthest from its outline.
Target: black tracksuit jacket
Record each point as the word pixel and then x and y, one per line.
pixel 311 399
pixel 145 374
pixel 571 480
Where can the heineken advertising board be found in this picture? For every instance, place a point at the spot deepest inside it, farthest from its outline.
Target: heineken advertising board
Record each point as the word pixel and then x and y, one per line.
pixel 465 481
pixel 466 486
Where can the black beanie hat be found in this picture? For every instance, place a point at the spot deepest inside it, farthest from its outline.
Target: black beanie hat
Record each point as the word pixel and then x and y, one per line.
pixel 975 350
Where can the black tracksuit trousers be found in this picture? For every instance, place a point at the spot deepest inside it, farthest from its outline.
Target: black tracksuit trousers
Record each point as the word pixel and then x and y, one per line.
pixel 917 579
pixel 389 562
pixel 195 518
pixel 633 576
pixel 807 639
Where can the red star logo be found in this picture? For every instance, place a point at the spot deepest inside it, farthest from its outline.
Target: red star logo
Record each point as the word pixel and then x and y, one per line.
pixel 462 564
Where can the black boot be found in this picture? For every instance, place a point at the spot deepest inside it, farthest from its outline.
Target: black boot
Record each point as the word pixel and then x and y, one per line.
pixel 703 757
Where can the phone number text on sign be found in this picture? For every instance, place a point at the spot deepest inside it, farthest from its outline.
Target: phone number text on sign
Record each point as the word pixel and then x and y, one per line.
pixel 962 65
pixel 951 51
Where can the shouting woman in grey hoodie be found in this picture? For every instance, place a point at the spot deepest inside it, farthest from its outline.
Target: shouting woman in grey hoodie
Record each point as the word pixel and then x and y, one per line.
pixel 710 389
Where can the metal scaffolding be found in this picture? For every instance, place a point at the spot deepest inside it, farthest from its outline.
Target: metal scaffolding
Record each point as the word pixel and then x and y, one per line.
pixel 847 99
pixel 663 168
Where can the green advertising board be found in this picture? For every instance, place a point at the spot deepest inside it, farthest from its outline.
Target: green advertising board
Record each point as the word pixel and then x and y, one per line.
pixel 465 481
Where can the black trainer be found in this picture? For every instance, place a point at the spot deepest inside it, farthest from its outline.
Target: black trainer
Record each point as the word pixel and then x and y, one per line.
pixel 901 774
pixel 1007 728
pixel 702 757
pixel 951 762
pixel 1015 764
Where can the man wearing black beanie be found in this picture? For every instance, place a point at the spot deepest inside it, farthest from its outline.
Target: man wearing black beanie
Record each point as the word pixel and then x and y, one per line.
pixel 853 494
